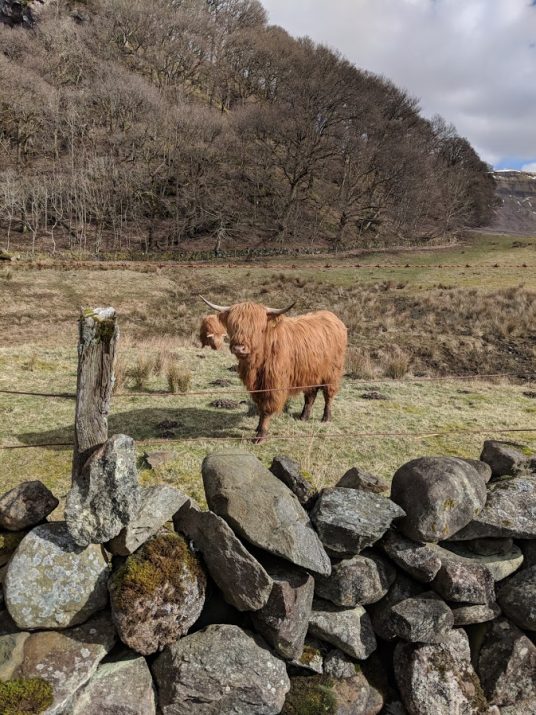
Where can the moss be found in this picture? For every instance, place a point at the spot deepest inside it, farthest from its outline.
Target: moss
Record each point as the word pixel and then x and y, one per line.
pixel 26 696
pixel 309 654
pixel 9 542
pixel 162 560
pixel 449 504
pixel 310 695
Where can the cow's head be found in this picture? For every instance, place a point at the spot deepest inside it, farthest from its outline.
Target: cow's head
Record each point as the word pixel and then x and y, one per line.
pixel 212 332
pixel 246 324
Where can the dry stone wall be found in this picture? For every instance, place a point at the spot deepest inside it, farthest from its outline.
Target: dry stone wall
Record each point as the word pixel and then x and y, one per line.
pixel 277 598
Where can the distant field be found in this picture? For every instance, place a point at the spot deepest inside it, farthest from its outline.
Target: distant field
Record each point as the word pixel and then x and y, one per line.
pixel 421 320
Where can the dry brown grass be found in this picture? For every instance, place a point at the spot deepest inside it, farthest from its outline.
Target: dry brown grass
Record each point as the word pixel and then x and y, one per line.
pixel 178 378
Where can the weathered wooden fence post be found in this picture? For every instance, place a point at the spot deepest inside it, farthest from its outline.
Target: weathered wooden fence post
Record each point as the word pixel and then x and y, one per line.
pixel 98 334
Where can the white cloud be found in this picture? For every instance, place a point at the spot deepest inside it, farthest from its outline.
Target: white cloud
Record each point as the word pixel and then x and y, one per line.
pixel 472 61
pixel 531 167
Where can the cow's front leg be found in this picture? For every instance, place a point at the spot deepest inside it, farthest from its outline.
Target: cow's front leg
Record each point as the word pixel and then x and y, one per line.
pixel 262 428
pixel 310 397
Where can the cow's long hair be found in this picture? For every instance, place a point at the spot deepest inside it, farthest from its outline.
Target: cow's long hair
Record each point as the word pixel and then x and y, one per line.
pixel 211 332
pixel 286 354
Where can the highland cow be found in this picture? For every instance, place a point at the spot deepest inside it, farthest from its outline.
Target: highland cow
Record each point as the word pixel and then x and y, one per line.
pixel 280 356
pixel 211 332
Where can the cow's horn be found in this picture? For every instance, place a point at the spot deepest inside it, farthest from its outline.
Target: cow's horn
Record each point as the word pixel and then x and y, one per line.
pixel 280 311
pixel 218 308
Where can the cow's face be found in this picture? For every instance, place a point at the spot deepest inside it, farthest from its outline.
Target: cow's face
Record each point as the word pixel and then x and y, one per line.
pixel 212 333
pixel 246 324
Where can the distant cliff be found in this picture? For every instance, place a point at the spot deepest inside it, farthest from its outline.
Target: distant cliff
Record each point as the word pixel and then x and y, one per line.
pixel 516 212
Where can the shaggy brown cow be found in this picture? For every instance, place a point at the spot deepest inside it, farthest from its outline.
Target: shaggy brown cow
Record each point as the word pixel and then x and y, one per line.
pixel 211 332
pixel 284 356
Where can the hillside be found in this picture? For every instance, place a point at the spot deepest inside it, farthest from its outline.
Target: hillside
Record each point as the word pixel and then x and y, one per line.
pixel 516 212
pixel 187 124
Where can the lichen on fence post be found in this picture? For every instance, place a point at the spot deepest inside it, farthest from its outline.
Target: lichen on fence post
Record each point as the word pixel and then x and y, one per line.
pixel 98 334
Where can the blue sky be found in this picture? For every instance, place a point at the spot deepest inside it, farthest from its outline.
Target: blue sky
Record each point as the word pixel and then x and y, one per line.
pixel 472 61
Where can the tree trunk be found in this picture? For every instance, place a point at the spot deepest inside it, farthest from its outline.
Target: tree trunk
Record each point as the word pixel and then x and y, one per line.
pixel 98 333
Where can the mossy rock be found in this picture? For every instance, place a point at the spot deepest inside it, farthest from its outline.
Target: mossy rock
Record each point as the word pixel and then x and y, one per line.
pixel 310 695
pixel 25 696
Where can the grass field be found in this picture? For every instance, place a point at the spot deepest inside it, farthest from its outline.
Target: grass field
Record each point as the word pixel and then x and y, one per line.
pixel 467 317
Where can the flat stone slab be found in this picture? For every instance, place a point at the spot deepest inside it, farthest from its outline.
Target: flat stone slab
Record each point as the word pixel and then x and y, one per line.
pixel 157 506
pixel 221 669
pixel 66 659
pixel 517 598
pixel 262 510
pixel 415 558
pixel 119 687
pixel 244 583
pixel 356 478
pixel 105 495
pixel 348 629
pixel 51 582
pixel 510 511
pixel 440 495
pixel 463 580
pixel 363 579
pixel 26 505
pixel 499 565
pixel 507 664
pixel 422 619
pixel 349 520
pixel 466 615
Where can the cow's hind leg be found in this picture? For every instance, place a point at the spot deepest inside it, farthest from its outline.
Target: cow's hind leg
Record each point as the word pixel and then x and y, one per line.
pixel 262 428
pixel 329 394
pixel 310 397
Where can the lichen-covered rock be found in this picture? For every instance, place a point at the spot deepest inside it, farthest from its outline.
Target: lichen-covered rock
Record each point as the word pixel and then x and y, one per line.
pixel 244 583
pixel 422 619
pixel 468 614
pixel 338 665
pixel 157 506
pixel 9 540
pixel 349 520
pixel 223 670
pixel 523 707
pixel 363 579
pixel 157 594
pixel 440 496
pixel 348 629
pixel 509 511
pixel 311 658
pixel 499 565
pixel 66 660
pixel 284 620
pixel 312 695
pixel 463 579
pixel 290 473
pixel 26 505
pixel 119 687
pixel 504 458
pixel 53 583
pixel 381 613
pixel 517 598
pixel 105 494
pixel 11 652
pixel 356 478
pixel 262 510
pixel 415 558
pixel 507 664
pixel 481 467
pixel 439 679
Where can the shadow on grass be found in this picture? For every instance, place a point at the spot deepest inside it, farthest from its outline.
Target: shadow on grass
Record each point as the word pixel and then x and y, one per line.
pixel 151 423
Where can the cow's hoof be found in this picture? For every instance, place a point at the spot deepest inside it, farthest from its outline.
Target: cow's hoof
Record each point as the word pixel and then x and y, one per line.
pixel 259 438
pixel 326 419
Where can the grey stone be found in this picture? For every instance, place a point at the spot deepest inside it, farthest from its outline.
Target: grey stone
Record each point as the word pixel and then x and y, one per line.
pixel 499 565
pixel 290 473
pixel 348 629
pixel 517 598
pixel 119 687
pixel 523 707
pixel 422 619
pixel 154 611
pixel 67 660
pixel 157 506
pixel 481 467
pixel 363 579
pixel 223 670
pixel 26 505
pixel 463 579
pixel 507 664
pixel 356 478
pixel 438 679
pixel 53 583
pixel 509 511
pixel 504 458
pixel 349 520
pixel 468 614
pixel 104 496
pixel 381 613
pixel 338 665
pixel 311 658
pixel 440 496
pixel 262 510
pixel 416 558
pixel 284 620
pixel 245 584
pixel 11 652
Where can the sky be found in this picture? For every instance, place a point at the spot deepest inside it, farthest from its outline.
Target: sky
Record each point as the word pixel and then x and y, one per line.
pixel 472 61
